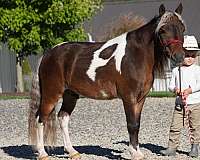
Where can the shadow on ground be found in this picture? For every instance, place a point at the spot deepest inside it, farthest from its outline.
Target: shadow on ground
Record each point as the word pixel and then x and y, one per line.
pixel 26 152
pixel 151 147
pixel 23 151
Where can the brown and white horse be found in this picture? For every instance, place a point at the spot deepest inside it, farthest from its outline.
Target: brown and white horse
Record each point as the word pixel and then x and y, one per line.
pixel 122 67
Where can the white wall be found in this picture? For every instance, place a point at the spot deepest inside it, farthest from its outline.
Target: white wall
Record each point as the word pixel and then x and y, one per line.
pixel 0 88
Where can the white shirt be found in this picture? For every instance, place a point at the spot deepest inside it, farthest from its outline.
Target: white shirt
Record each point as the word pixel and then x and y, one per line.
pixel 190 77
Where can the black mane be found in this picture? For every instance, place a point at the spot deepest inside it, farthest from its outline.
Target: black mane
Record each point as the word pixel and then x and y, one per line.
pixel 160 55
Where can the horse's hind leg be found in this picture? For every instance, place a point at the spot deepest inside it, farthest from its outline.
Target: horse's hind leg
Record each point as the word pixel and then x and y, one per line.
pixel 40 142
pixel 47 105
pixel 69 102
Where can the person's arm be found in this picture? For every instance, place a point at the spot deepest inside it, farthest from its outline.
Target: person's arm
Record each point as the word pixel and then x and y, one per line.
pixel 196 87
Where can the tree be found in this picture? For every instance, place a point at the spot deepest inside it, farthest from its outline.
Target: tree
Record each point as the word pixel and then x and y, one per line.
pixel 32 26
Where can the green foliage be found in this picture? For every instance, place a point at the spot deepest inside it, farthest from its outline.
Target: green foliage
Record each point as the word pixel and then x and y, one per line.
pixel 31 26
pixel 26 68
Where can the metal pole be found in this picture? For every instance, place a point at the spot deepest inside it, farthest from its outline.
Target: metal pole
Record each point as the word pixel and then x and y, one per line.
pixel 180 94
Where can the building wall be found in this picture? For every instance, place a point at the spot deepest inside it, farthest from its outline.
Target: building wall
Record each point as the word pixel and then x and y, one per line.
pixel 148 9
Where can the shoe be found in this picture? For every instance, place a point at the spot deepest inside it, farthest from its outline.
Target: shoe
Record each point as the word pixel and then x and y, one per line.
pixel 168 152
pixel 194 150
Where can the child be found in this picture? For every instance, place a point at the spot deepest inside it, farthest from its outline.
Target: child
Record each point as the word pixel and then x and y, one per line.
pixel 189 96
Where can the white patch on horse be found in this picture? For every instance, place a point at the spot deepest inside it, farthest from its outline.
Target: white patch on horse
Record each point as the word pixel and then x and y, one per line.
pixel 59 44
pixel 64 122
pixel 180 18
pixel 117 54
pixel 103 93
pixel 165 18
pixel 58 106
pixel 136 153
pixel 40 141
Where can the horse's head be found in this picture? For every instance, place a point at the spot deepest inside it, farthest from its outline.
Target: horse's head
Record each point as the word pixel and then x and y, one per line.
pixel 170 31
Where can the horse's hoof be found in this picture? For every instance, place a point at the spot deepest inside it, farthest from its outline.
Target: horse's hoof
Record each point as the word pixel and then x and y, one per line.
pixel 43 158
pixel 75 156
pixel 141 158
pixel 138 157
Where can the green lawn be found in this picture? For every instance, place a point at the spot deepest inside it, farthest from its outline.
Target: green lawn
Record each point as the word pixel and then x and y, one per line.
pixel 159 94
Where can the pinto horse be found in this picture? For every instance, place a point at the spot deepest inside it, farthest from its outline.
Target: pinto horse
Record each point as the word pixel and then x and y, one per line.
pixel 122 67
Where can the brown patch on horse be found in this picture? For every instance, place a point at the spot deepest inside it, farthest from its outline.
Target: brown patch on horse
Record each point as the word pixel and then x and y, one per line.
pixel 107 52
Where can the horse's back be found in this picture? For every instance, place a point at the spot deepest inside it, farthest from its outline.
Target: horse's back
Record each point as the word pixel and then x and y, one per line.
pixel 64 56
pixel 66 65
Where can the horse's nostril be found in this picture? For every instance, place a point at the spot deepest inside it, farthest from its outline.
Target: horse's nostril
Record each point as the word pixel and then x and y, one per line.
pixel 179 57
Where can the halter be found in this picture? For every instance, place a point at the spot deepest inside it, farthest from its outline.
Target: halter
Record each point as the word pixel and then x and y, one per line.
pixel 163 21
pixel 171 41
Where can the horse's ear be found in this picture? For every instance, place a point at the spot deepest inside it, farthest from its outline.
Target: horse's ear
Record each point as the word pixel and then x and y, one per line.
pixel 179 9
pixel 161 9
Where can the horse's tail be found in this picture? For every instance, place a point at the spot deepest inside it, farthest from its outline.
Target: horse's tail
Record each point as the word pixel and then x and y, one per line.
pixel 50 125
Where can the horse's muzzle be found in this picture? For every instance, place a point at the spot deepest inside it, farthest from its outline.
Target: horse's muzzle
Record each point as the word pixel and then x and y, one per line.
pixel 178 58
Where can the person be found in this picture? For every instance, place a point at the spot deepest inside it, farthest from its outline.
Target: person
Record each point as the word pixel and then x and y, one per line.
pixel 187 103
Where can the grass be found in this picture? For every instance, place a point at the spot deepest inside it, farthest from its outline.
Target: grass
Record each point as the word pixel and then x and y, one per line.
pixel 5 96
pixel 13 97
pixel 158 94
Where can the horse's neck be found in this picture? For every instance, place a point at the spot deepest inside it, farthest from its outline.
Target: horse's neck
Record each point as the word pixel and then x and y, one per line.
pixel 148 31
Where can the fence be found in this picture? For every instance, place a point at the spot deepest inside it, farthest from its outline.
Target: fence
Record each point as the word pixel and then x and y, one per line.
pixel 7 70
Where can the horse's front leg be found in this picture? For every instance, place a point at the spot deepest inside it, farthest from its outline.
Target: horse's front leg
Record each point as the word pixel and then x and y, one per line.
pixel 64 121
pixel 68 105
pixel 133 113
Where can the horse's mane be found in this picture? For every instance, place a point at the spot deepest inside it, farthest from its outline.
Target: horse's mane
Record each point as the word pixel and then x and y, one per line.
pixel 160 60
pixel 160 55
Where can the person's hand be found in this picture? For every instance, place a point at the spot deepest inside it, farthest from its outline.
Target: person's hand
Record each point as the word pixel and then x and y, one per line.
pixel 186 92
pixel 177 91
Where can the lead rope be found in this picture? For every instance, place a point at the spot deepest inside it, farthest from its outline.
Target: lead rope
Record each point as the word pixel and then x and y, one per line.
pixel 188 119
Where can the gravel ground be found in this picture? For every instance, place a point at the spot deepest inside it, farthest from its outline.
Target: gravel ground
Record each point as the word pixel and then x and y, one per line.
pixel 97 128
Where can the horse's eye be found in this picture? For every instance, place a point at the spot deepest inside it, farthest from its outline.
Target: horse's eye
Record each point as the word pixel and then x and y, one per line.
pixel 183 29
pixel 161 31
